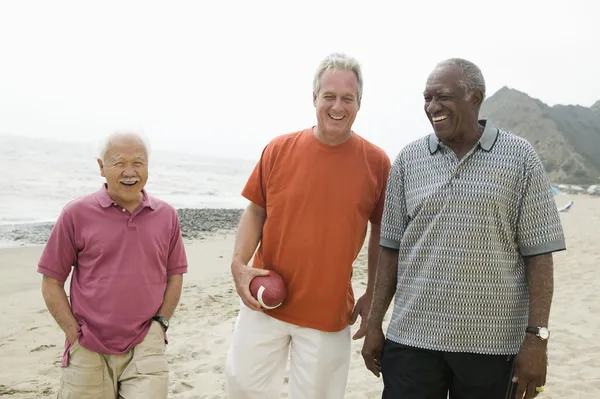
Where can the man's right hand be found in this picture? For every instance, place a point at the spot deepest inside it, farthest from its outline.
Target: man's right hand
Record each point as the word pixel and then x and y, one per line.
pixel 372 348
pixel 242 275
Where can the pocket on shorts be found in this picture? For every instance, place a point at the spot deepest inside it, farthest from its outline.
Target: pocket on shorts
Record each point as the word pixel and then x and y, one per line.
pixel 152 365
pixel 85 369
pixel 73 346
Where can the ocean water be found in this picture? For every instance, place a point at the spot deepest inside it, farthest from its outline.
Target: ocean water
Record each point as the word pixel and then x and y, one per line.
pixel 38 177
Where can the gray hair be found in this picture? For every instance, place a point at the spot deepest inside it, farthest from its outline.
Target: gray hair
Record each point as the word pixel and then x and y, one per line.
pixel 472 79
pixel 123 135
pixel 338 61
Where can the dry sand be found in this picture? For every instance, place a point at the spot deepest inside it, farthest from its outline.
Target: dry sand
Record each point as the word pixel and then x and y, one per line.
pixel 31 343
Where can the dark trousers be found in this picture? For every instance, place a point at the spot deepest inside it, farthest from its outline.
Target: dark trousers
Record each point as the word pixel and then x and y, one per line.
pixel 413 373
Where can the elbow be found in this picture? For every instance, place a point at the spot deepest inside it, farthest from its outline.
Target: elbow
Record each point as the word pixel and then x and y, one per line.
pixel 51 286
pixel 375 234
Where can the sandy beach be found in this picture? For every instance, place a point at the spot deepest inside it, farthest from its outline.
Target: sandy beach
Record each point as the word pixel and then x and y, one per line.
pixel 31 343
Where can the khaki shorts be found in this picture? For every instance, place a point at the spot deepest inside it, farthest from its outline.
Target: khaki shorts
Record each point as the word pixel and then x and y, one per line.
pixel 140 373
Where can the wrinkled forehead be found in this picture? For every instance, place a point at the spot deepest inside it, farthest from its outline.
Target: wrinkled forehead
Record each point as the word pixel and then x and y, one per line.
pixel 126 149
pixel 444 80
pixel 341 81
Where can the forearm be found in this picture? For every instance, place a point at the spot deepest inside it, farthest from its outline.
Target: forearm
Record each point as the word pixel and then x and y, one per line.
pixel 58 305
pixel 385 286
pixel 248 234
pixel 171 296
pixel 540 281
pixel 373 251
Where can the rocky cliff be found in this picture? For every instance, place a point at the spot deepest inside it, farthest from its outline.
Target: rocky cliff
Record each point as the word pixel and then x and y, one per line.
pixel 566 137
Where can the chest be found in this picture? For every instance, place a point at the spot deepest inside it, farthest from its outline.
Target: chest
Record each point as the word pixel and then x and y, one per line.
pixel 479 184
pixel 124 242
pixel 331 182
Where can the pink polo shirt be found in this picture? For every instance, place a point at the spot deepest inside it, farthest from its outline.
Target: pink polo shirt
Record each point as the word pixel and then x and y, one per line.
pixel 121 262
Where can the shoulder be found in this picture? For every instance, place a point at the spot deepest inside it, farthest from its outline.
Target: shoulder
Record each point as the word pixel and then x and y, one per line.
pixel 286 140
pixel 418 146
pixel 161 206
pixel 414 151
pixel 163 214
pixel 375 155
pixel 509 139
pixel 372 149
pixel 283 144
pixel 81 204
pixel 517 146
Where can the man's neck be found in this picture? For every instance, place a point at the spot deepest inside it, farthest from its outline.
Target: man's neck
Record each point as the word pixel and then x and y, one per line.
pixel 131 206
pixel 467 141
pixel 331 140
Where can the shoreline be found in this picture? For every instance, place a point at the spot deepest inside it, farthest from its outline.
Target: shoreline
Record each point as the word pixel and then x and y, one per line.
pixel 202 325
pixel 196 224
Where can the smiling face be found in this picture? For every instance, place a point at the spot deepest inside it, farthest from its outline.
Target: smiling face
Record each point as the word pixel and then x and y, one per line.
pixel 336 104
pixel 452 115
pixel 125 168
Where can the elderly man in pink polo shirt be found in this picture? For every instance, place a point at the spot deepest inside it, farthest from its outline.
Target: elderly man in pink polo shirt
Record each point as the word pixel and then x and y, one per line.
pixel 126 252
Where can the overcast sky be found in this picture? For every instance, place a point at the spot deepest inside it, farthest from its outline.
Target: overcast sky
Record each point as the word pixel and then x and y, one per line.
pixel 224 77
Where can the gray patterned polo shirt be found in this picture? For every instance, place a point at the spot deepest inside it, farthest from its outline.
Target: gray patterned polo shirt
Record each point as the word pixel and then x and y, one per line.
pixel 462 229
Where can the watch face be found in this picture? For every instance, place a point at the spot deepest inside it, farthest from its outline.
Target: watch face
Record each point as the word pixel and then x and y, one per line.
pixel 166 322
pixel 544 333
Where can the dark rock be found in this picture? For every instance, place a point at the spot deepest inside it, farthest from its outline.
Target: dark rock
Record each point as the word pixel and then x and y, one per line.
pixel 195 224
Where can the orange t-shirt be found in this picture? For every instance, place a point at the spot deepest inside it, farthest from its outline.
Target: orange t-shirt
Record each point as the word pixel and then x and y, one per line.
pixel 318 200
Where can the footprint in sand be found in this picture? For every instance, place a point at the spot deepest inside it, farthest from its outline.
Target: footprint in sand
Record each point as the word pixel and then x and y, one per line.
pixel 42 347
pixel 201 353
pixel 182 386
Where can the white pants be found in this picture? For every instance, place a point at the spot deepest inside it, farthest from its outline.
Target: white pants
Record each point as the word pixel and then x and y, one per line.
pixel 258 355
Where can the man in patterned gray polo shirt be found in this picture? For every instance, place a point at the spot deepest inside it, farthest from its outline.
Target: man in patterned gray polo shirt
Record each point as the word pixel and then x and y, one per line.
pixel 467 236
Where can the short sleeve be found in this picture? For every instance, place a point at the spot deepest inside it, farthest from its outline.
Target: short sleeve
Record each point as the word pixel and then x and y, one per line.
pixel 377 213
pixel 394 219
pixel 60 253
pixel 539 229
pixel 255 189
pixel 177 262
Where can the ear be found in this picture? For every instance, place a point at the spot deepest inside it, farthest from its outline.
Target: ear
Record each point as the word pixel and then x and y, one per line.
pixel 101 165
pixel 476 99
pixel 314 99
pixel 359 101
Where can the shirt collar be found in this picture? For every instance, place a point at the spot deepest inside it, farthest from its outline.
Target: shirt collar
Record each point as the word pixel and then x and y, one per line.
pixel 105 200
pixel 486 141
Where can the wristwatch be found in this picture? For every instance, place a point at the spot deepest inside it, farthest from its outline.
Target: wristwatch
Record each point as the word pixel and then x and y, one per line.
pixel 163 322
pixel 541 332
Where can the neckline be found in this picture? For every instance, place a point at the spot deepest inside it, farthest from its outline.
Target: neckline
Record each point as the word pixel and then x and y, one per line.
pixel 330 148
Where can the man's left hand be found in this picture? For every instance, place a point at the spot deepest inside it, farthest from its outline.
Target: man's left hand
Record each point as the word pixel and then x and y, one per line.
pixel 530 367
pixel 361 308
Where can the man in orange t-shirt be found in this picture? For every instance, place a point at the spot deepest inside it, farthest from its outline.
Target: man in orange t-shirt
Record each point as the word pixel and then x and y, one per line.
pixel 312 195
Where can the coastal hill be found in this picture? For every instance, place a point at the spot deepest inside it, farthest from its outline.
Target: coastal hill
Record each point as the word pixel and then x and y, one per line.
pixel 566 137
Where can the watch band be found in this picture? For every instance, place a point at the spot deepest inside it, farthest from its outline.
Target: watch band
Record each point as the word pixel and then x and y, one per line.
pixel 163 322
pixel 541 332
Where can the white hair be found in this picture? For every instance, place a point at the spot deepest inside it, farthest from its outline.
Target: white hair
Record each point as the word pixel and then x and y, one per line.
pixel 472 79
pixel 123 135
pixel 338 61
